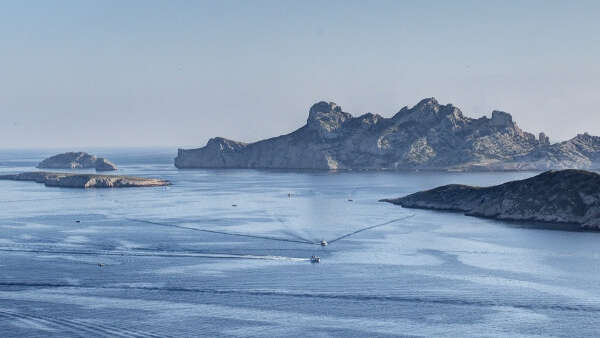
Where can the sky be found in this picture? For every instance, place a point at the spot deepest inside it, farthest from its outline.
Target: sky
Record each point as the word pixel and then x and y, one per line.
pixel 78 74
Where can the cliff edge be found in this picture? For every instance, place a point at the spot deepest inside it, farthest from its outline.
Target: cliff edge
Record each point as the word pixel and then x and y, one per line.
pixel 428 136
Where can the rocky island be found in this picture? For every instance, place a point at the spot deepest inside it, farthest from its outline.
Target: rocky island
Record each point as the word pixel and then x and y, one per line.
pixel 565 196
pixel 69 180
pixel 77 160
pixel 428 136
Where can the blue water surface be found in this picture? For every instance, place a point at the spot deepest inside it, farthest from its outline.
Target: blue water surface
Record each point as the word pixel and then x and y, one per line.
pixel 225 253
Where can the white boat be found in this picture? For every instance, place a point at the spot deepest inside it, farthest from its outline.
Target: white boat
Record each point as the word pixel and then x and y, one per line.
pixel 323 243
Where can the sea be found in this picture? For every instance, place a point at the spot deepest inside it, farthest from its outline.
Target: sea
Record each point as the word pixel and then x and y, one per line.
pixel 226 253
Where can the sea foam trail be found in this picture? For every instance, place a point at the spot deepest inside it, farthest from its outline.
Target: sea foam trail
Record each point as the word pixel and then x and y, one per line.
pixel 298 240
pixel 154 254
pixel 369 228
pixel 221 232
pixel 292 233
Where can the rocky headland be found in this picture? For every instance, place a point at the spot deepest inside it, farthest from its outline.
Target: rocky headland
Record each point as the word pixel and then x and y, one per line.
pixel 77 160
pixel 565 196
pixel 428 136
pixel 69 180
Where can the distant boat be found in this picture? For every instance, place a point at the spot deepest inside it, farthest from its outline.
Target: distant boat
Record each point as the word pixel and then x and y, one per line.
pixel 323 243
pixel 315 259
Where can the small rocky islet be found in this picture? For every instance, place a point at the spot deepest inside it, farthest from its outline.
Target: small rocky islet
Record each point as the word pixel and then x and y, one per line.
pixel 72 180
pixel 564 196
pixel 77 160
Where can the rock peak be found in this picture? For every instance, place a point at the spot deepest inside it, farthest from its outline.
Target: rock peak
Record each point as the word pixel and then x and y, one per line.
pixel 326 118
pixel 544 139
pixel 502 119
pixel 425 103
pixel 324 107
pixel 223 144
pixel 425 111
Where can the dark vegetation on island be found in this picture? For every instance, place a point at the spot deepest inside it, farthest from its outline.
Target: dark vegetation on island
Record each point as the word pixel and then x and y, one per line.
pixel 564 196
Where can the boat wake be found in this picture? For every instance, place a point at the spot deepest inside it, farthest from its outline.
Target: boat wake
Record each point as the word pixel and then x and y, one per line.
pixel 369 228
pixel 144 253
pixel 296 237
pixel 76 326
pixel 220 232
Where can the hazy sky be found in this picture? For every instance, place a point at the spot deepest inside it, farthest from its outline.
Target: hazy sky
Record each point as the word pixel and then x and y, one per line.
pixel 175 73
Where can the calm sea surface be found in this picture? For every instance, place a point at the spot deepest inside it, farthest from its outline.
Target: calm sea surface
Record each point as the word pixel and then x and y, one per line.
pixel 420 273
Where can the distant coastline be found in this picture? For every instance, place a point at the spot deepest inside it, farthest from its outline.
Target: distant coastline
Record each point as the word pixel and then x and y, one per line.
pixel 428 136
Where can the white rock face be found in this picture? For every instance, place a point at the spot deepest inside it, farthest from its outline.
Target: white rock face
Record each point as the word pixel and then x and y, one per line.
pixel 427 136
pixel 566 196
pixel 78 160
pixel 326 119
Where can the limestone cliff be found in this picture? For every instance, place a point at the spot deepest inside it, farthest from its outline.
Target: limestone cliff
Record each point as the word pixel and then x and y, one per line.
pixel 427 136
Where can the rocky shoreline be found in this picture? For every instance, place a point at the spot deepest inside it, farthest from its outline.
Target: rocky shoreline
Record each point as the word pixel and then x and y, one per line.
pixel 565 196
pixel 69 180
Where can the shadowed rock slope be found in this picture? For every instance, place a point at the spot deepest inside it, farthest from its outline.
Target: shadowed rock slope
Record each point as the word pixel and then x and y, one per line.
pixel 565 196
pixel 67 180
pixel 427 136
